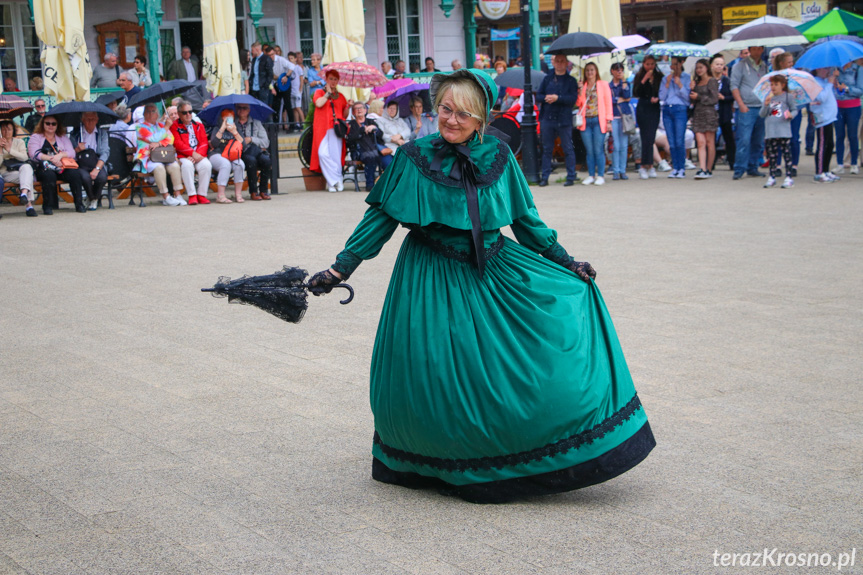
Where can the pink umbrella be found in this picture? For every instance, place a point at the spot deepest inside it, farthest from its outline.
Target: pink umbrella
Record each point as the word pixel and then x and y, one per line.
pixel 390 87
pixel 357 74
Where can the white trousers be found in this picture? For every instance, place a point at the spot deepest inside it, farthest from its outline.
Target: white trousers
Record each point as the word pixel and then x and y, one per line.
pixel 223 167
pixel 23 176
pixel 204 169
pixel 330 158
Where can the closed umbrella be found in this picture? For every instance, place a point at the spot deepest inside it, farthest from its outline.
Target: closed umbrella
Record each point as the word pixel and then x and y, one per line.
pixel 832 23
pixel 830 55
pixel 346 33
pixel 766 35
pixel 66 66
pixel 221 65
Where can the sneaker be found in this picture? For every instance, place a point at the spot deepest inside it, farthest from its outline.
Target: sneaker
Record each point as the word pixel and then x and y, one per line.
pixel 624 177
pixel 31 212
pixel 792 173
pixel 202 199
pixel 182 200
pixel 689 165
pixel 833 177
pixel 93 205
pixel 680 174
pixel 340 187
pixel 822 179
pixel 331 189
pixel 771 181
pixel 664 166
pixel 589 180
pixel 568 183
pixel 600 181
pixel 171 201
pixel 651 173
pixel 672 174
pixel 23 200
pixel 838 170
pixel 708 174
pixel 855 169
pixel 642 173
pixel 701 175
pixel 810 153
pixel 765 163
pixel 193 200
pixel 788 183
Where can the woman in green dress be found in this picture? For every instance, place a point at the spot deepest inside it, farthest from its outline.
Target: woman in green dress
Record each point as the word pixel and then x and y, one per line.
pixel 496 372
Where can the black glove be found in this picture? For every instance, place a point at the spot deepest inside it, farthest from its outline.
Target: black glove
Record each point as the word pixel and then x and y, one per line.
pixel 323 282
pixel 582 269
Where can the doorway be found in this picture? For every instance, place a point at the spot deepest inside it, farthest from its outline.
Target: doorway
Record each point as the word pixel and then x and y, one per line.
pixel 192 35
pixel 698 31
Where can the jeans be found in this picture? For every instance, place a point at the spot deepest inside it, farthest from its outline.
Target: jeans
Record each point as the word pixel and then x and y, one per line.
pixel 550 131
pixel 621 146
pixel 749 138
pixel 674 119
pixel 593 141
pixel 847 122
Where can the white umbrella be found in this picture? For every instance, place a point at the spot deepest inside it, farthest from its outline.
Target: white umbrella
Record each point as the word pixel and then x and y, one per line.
pixel 729 34
pixel 716 47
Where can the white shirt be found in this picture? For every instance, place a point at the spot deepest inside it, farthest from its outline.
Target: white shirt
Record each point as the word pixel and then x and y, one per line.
pixel 190 71
pixel 296 79
pixel 280 65
pixel 89 140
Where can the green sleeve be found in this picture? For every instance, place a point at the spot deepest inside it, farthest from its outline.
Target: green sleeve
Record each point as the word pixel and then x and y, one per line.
pixel 532 233
pixel 375 229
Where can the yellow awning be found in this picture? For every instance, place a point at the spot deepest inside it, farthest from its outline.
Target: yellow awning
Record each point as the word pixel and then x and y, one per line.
pixel 600 17
pixel 346 33
pixel 221 66
pixel 60 26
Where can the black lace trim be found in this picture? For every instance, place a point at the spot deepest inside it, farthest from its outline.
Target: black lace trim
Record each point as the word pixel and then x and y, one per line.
pixel 557 254
pixel 485 179
pixel 347 263
pixel 502 461
pixel 451 252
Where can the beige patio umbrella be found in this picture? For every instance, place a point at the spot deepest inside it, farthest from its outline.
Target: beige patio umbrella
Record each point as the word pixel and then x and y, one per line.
pixel 346 33
pixel 600 17
pixel 60 26
pixel 221 66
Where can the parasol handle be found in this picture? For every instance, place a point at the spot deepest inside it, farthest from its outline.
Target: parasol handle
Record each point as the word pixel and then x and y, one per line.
pixel 350 297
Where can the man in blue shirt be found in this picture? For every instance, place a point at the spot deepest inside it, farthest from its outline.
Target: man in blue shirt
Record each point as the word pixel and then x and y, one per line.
pixel 557 94
pixel 260 74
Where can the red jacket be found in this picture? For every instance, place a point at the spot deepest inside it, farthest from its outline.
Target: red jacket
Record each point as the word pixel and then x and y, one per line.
pixel 181 139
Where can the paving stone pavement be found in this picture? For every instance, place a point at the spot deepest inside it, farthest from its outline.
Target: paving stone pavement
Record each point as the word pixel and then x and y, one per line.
pixel 146 427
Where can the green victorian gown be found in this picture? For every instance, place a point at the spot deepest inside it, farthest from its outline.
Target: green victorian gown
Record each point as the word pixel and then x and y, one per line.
pixel 496 375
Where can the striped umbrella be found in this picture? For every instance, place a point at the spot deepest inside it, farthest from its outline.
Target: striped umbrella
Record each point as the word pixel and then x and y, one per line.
pixel 13 106
pixel 357 74
pixel 834 22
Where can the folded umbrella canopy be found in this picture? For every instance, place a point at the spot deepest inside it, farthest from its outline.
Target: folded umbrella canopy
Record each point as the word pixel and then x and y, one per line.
pixel 832 23
pixel 158 92
pixel 678 50
pixel 345 23
pixel 70 112
pixel 580 44
pixel 221 66
pixel 801 85
pixel 766 35
pixel 830 55
pixel 13 106
pixel 65 63
pixel 257 109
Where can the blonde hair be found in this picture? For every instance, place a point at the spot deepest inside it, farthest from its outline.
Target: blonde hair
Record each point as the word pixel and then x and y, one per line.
pixel 467 95
pixel 376 107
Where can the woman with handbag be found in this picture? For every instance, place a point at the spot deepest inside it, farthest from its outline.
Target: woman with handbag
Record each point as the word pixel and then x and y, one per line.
pixel 14 167
pixel 55 160
pixel 91 153
pixel 621 93
pixel 647 112
pixel 328 133
pixel 595 108
pixel 225 155
pixel 157 156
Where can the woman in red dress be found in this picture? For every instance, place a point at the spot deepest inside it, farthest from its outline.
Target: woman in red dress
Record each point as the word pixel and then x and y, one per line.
pixel 328 150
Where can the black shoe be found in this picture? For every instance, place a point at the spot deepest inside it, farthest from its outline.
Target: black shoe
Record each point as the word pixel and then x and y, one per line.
pixel 792 173
pixel 47 210
pixel 568 183
pixel 31 213
pixel 81 209
pixel 810 153
pixel 543 183
pixel 756 174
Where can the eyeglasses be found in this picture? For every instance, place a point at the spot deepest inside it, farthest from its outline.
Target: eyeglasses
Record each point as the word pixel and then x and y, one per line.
pixel 461 117
pixel 49 123
pixel 40 105
pixel 185 112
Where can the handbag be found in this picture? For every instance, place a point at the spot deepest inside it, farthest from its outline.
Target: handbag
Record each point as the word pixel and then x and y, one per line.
pixel 68 163
pixel 87 159
pixel 163 154
pixel 577 120
pixel 627 123
pixel 13 165
pixel 233 150
pixel 340 127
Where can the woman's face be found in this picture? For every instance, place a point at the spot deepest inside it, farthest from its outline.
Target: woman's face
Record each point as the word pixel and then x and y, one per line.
pixel 649 65
pixel 822 72
pixel 151 115
pixel 332 81
pixel 590 73
pixel 453 128
pixel 393 110
pixel 717 66
pixel 417 109
pixel 360 113
pixel 676 66
pixel 49 125
pixel 786 61
pixel 7 131
pixel 701 69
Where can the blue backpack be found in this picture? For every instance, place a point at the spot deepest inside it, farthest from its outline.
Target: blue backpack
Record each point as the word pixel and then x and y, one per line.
pixel 283 84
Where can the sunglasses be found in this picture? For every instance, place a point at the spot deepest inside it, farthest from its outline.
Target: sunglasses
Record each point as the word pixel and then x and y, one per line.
pixel 185 112
pixel 42 106
pixel 49 123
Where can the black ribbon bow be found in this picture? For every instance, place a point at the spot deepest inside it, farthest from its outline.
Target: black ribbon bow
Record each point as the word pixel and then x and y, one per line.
pixel 465 170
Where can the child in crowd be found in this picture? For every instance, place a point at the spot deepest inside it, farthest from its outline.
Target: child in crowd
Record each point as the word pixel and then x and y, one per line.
pixel 778 110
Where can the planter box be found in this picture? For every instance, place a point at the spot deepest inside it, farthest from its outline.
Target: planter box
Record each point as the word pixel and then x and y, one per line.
pixel 315 182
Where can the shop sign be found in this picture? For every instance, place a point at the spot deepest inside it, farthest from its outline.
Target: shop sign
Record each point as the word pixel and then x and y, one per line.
pixel 499 35
pixel 802 11
pixel 736 15
pixel 493 9
pixel 546 32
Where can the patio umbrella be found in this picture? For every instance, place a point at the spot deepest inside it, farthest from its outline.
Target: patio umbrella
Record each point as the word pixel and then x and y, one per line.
pixel 66 65
pixel 729 34
pixel 283 293
pixel 832 23
pixel 391 86
pixel 345 23
pixel 603 18
pixel 70 112
pixel 514 78
pixel 678 50
pixel 404 95
pixel 766 35
pixel 13 106
pixel 580 44
pixel 158 92
pixel 356 74
pixel 801 85
pixel 257 109
pixel 221 66
pixel 106 99
pixel 830 55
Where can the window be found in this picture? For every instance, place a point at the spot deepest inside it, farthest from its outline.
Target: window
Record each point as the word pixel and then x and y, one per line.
pixel 312 37
pixel 19 46
pixel 192 8
pixel 403 31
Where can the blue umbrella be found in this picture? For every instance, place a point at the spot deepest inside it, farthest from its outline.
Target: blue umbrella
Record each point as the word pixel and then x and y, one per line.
pixel 679 50
pixel 257 109
pixel 830 55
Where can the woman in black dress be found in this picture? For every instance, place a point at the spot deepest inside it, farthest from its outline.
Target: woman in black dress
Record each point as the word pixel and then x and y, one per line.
pixel 646 89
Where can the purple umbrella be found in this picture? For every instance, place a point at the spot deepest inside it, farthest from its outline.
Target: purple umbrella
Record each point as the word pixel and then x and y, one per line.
pixel 391 86
pixel 403 96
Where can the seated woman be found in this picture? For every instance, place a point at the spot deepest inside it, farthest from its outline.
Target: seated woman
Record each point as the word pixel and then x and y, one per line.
pixel 14 168
pixel 419 123
pixel 151 135
pixel 190 141
pixel 219 138
pixel 366 140
pixel 49 147
pixel 88 136
pixel 396 130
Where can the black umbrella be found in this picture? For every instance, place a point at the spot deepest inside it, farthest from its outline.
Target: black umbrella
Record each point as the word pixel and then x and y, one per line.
pixel 514 78
pixel 158 92
pixel 581 44
pixel 106 99
pixel 283 294
pixel 70 112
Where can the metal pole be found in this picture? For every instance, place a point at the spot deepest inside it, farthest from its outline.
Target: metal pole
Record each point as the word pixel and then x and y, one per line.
pixel 528 123
pixel 273 135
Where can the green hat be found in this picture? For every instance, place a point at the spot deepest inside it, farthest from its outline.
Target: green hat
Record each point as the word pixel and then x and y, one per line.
pixel 489 88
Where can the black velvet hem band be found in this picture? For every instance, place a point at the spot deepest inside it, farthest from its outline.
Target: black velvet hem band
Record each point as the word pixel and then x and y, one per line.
pixel 607 466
